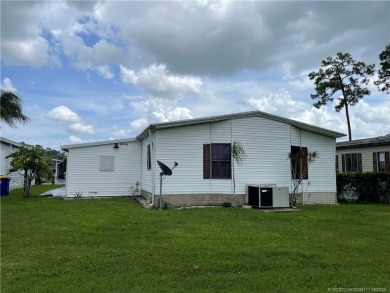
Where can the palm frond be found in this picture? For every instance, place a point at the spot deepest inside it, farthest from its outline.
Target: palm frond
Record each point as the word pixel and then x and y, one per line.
pixel 11 108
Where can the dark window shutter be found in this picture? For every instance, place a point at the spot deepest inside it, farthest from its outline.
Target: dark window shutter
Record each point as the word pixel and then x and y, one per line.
pixel 305 166
pixel 148 159
pixel 337 163
pixel 387 161
pixel 359 162
pixel 206 161
pixel 343 163
pixel 374 162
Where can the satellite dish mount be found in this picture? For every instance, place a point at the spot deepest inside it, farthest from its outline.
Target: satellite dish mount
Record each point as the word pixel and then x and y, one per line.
pixel 165 171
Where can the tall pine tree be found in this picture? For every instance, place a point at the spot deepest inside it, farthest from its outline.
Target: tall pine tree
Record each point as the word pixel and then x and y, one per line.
pixel 343 75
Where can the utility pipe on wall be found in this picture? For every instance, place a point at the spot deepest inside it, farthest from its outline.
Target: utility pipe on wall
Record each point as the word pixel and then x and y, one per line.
pixel 151 166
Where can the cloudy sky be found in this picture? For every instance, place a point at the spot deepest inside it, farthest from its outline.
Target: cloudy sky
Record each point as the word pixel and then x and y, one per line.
pixel 96 70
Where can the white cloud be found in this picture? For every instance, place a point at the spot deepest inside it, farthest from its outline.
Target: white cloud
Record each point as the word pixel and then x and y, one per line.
pixel 302 82
pixel 75 139
pixel 135 127
pixel 157 110
pixel 21 41
pixel 63 113
pixel 227 56
pixel 278 103
pixel 366 120
pixel 161 110
pixel 283 105
pixel 139 124
pixel 106 72
pixel 82 128
pixel 118 132
pixel 172 114
pixel 322 117
pixel 100 54
pixel 32 52
pixel 157 81
pixel 6 84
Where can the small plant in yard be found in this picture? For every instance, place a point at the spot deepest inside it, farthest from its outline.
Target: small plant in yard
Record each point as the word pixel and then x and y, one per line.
pixel 300 160
pixel 78 194
pixel 349 195
pixel 134 189
pixel 238 155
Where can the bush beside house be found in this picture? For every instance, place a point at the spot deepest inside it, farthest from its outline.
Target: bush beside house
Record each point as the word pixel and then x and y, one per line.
pixel 363 187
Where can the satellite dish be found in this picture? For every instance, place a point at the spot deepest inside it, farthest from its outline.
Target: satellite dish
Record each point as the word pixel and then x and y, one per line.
pixel 165 170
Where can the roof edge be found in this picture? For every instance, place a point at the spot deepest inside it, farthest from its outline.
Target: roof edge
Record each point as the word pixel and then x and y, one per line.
pixel 11 142
pixel 96 143
pixel 187 122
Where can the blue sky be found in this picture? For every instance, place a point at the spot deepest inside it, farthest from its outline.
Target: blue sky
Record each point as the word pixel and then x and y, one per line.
pixel 96 70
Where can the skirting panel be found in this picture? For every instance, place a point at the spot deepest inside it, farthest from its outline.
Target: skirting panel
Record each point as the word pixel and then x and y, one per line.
pixel 186 200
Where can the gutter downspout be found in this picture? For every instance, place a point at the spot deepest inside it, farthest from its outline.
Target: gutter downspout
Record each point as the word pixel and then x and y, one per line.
pixel 151 169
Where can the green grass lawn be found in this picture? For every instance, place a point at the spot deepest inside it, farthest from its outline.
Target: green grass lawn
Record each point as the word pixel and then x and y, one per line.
pixel 115 245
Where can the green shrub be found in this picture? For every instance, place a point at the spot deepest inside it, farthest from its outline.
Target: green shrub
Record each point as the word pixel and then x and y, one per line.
pixel 363 187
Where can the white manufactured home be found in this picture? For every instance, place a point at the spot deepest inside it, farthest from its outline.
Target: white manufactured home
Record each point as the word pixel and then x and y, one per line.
pixel 204 174
pixel 7 147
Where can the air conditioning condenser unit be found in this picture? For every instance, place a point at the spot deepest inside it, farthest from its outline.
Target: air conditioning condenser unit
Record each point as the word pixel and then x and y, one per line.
pixel 267 196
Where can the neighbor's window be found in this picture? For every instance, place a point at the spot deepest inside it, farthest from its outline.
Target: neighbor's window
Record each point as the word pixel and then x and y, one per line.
pixel 298 159
pixel 352 162
pixel 217 161
pixel 148 159
pixel 379 160
pixel 107 163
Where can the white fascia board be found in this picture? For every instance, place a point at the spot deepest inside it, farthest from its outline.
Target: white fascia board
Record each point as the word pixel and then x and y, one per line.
pixel 97 143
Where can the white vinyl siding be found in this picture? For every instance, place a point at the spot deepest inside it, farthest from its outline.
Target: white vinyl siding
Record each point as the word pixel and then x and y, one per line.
pixel 185 146
pixel 322 172
pixel 147 174
pixel 84 172
pixel 295 136
pixel 6 150
pixel 266 144
pixel 5 163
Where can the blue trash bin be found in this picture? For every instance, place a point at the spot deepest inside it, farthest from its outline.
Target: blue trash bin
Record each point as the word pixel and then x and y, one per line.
pixel 4 185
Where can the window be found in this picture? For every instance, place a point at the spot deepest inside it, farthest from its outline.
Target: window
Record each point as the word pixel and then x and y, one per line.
pixel 107 163
pixel 381 161
pixel 217 161
pixel 148 159
pixel 298 159
pixel 351 162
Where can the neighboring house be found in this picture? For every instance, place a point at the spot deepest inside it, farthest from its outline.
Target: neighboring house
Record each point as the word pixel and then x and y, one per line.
pixel 202 149
pixel 7 147
pixel 364 155
pixel 58 168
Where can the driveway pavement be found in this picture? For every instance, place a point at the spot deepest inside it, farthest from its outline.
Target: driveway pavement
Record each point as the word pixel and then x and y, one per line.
pixel 56 192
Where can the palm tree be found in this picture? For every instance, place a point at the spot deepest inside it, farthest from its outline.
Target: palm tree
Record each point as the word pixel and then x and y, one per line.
pixel 238 154
pixel 11 108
